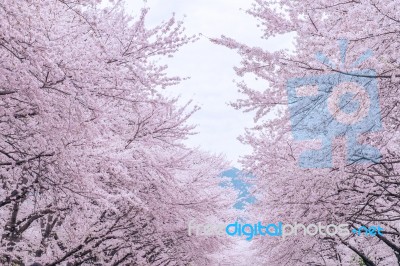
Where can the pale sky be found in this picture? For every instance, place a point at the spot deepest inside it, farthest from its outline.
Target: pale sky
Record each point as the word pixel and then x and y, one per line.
pixel 210 67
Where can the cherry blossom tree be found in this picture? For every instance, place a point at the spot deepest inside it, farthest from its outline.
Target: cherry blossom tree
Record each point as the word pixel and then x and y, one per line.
pixel 93 169
pixel 356 194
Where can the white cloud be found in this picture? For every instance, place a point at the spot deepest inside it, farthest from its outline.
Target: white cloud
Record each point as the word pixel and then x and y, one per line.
pixel 210 67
